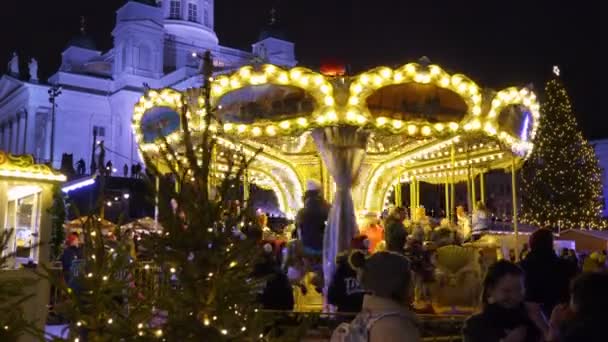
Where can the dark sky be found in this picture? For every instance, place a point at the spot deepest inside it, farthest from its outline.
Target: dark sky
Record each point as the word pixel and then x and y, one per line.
pixel 496 43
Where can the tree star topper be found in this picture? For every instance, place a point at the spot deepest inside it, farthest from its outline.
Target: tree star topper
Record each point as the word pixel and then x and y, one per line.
pixel 556 70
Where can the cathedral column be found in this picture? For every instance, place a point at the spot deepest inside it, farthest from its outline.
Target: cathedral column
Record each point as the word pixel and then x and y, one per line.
pixel 2 136
pixel 47 137
pixel 18 136
pixel 9 147
pixel 23 146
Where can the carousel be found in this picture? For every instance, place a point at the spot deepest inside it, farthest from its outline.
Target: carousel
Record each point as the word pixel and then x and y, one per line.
pixel 363 137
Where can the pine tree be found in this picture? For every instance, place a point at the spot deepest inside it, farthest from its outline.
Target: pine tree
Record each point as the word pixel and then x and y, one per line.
pixel 561 181
pixel 210 292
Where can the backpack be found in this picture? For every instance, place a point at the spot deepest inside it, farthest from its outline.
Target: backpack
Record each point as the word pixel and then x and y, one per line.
pixel 358 330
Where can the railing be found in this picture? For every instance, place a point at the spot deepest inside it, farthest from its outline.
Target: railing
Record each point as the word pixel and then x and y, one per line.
pixel 319 326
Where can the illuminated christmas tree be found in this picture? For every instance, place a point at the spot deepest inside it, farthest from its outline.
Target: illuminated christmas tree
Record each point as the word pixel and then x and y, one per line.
pixel 562 179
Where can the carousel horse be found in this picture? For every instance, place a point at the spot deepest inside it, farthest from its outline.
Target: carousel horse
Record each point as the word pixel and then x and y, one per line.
pixel 458 276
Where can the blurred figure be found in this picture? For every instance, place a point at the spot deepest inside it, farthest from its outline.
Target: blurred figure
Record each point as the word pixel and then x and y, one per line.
pixel 480 221
pixel 372 228
pixel 345 291
pixel 583 319
pixel 395 234
pixel 275 292
pixel 311 220
pixel 547 276
pixel 70 254
pixel 504 316
pixel 385 315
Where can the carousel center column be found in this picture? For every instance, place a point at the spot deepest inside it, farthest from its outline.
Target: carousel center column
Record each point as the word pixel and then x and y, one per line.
pixel 342 149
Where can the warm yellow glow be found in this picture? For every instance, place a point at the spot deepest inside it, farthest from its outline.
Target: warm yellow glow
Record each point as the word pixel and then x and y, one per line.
pixel 228 127
pixel 332 116
pixel 241 128
pixel 285 124
pixel 412 129
pixel 439 127
pixel 353 100
pixel 426 130
pixel 351 115
pixel 397 124
pixel 453 126
pixel 329 101
pixel 256 131
pixel 325 89
pixel 302 122
pixel 381 121
pixel 271 130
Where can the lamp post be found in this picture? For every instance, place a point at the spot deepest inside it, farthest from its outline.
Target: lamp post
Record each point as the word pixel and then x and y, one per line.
pixel 54 92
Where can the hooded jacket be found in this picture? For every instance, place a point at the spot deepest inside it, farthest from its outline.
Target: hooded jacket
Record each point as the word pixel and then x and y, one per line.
pixel 345 291
pixel 311 219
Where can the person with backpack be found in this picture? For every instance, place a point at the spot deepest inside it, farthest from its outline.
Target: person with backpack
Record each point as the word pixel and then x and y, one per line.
pixel 385 316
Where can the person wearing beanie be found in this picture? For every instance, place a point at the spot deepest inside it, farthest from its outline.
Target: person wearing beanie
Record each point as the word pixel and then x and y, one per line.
pixel 547 277
pixel 345 291
pixel 386 276
pixel 310 221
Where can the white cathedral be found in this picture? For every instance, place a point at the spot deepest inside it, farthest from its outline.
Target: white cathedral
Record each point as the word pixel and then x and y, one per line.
pixel 156 43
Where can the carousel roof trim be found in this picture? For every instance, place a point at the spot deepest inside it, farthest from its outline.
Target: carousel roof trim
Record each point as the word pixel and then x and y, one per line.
pixel 23 167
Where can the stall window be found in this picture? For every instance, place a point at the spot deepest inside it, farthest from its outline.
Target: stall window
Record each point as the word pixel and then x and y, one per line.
pixel 23 216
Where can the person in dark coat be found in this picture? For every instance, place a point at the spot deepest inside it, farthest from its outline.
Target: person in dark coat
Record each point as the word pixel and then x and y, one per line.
pixel 547 276
pixel 345 291
pixel 70 254
pixel 584 319
pixel 277 293
pixel 504 316
pixel 395 234
pixel 311 220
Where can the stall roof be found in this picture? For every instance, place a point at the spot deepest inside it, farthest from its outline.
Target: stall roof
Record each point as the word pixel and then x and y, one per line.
pixel 23 167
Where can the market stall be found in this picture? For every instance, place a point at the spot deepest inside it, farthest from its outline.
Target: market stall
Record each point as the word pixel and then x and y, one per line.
pixel 26 192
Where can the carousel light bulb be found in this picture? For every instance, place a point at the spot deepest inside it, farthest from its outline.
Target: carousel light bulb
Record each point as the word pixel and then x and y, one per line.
pixel 284 124
pixel 245 72
pixel 361 119
pixel 412 129
pixel 303 122
pixel 329 101
pixel 381 121
pixel 398 77
pixel 224 82
pixel 351 115
pixel 295 74
pixel 271 130
pixel 325 89
pixel 256 131
pixel 357 88
pixel 304 81
pixel 378 81
pixel 318 80
pixel 445 82
pixel 353 100
pixel 331 115
pixel 283 78
pixel 270 69
pixel 426 130
pixel 462 87
pixel 364 79
pixel 241 128
pixel 439 127
pixel 476 110
pixel 234 83
pixel 386 73
pixel 410 68
pixel 456 80
pixel 453 126
pixel 397 124
pixel 224 332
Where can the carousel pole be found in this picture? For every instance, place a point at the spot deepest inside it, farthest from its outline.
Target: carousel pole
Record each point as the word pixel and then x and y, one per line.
pixel 417 194
pixel 473 191
pixel 398 195
pixel 470 205
pixel 482 188
pixel 514 193
pixel 156 200
pixel 412 195
pixel 447 199
pixel 245 188
pixel 452 186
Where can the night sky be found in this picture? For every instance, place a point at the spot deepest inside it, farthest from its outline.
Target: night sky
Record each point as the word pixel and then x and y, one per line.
pixel 496 43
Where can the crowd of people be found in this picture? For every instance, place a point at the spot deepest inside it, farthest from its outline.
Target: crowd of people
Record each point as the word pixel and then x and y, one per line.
pixel 386 270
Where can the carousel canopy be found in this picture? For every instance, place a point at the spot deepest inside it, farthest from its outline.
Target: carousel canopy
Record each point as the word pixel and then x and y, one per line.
pixel 420 122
